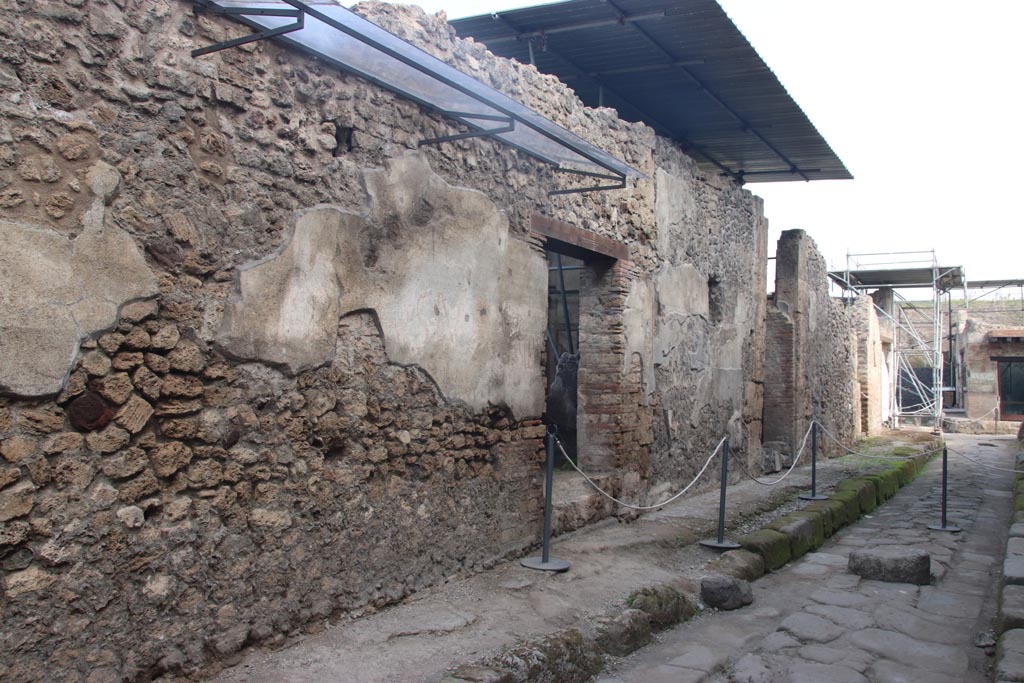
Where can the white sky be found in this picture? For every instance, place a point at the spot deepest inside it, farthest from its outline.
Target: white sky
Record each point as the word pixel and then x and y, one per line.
pixel 921 99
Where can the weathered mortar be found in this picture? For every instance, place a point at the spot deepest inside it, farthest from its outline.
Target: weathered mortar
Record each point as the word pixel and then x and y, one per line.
pixel 188 491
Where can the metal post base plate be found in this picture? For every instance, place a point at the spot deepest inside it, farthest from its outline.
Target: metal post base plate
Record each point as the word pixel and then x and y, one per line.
pixel 949 528
pixel 552 565
pixel 812 496
pixel 720 545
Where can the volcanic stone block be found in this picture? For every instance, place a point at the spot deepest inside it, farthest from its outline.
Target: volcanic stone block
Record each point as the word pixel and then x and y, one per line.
pixel 892 564
pixel 1010 656
pixel 867 493
pixel 664 604
pixel 624 633
pixel 771 545
pixel 851 506
pixel 799 531
pixel 1011 608
pixel 725 592
pixel 739 563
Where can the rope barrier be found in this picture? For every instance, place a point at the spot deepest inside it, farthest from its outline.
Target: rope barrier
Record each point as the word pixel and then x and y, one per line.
pixel 976 419
pixel 978 462
pixel 796 459
pixel 641 507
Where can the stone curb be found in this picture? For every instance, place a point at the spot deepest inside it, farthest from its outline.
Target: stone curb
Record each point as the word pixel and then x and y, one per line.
pixel 1010 620
pixel 573 656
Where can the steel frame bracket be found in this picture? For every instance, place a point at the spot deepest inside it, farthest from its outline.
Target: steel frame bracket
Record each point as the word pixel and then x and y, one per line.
pixel 206 6
pixel 620 185
pixel 510 125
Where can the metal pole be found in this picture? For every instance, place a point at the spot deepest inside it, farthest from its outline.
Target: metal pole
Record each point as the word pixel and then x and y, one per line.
pixel 720 543
pixel 545 562
pixel 814 466
pixel 565 305
pixel 945 477
pixel 549 481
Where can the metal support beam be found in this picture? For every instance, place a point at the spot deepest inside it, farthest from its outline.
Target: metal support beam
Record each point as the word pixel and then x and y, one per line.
pixel 643 115
pixel 711 93
pixel 578 26
pixel 206 6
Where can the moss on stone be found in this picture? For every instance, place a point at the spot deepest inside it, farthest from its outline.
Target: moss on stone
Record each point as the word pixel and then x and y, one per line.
pixel 771 545
pixel 665 605
pixel 865 490
pixel 851 506
pixel 817 519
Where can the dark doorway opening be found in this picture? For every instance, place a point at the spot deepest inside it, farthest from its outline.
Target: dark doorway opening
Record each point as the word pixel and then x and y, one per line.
pixel 1011 389
pixel 563 357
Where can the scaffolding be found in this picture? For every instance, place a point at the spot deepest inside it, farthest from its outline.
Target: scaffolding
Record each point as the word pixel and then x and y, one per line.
pixel 915 358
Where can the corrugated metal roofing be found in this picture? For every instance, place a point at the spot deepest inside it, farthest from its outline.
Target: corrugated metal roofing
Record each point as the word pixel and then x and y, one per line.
pixel 944 278
pixel 682 67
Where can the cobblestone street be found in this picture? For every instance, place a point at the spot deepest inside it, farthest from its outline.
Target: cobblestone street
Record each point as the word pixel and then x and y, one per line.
pixel 814 621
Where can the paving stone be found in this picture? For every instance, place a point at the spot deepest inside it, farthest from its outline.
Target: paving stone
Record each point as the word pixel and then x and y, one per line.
pixel 892 563
pixel 920 625
pixel 811 672
pixel 884 671
pixel 750 669
pixel 829 559
pixel 948 604
pixel 702 658
pixel 779 640
pixel 1017 530
pixel 838 598
pixel 666 674
pixel 903 649
pixel 843 616
pixel 811 628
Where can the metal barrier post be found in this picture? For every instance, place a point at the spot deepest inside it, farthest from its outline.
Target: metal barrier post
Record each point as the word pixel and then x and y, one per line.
pixel 945 476
pixel 813 495
pixel 721 543
pixel 545 562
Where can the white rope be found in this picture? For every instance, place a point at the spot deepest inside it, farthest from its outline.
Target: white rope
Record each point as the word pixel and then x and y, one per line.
pixel 869 455
pixel 796 459
pixel 976 419
pixel 641 507
pixel 978 462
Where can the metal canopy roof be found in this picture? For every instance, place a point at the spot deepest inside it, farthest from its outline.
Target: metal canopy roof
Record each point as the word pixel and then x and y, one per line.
pixel 682 67
pixel 344 39
pixel 941 278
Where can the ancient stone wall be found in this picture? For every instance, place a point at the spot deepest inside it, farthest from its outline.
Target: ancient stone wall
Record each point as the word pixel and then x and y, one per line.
pixel 265 360
pixel 981 380
pixel 811 368
pixel 870 361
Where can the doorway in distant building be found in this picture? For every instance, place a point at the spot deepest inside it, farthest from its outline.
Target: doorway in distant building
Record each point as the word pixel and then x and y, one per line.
pixel 1011 389
pixel 563 341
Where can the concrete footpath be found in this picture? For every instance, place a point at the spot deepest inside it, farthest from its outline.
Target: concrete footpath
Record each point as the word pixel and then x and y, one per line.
pixel 814 621
pixel 809 621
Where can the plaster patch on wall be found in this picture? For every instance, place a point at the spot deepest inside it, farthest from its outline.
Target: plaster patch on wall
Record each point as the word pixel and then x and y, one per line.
pixel 454 294
pixel 54 292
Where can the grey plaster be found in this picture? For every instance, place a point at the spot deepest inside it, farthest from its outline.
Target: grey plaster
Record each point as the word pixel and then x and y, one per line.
pixel 453 292
pixel 56 291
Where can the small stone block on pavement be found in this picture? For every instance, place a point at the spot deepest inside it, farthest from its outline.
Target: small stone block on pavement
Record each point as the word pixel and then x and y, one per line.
pixel 893 564
pixel 725 592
